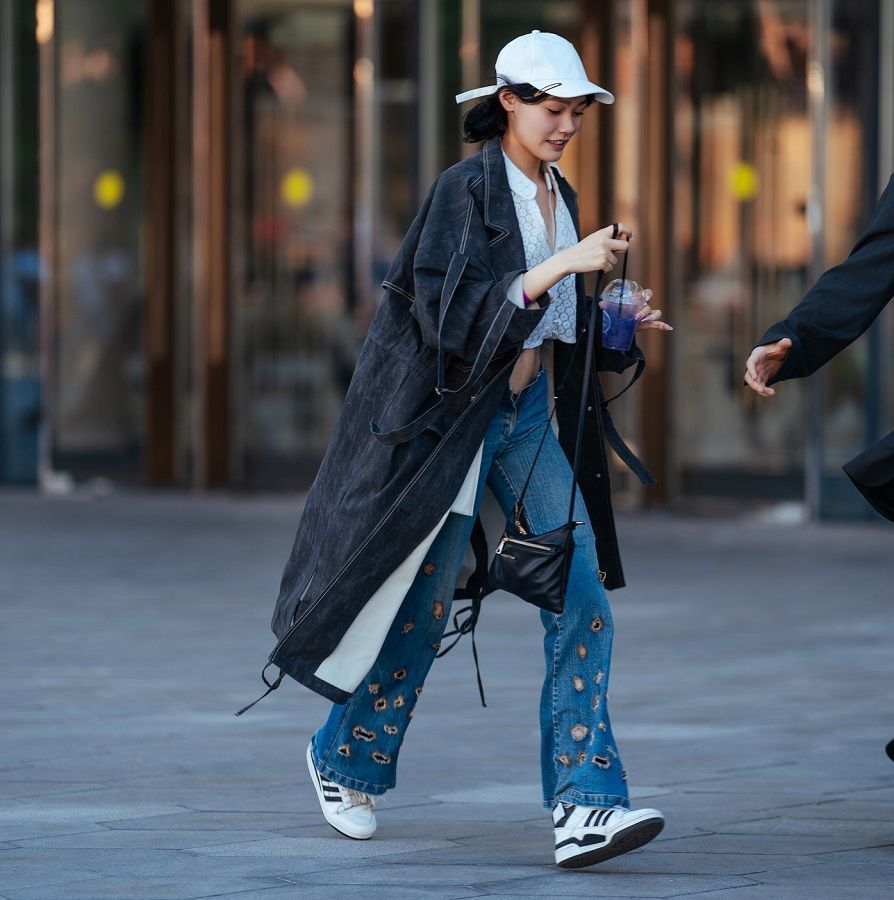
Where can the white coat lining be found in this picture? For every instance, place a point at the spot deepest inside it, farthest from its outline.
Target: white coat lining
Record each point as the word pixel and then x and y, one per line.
pixel 356 653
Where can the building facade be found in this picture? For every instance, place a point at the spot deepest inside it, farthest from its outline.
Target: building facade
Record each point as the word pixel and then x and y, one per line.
pixel 199 198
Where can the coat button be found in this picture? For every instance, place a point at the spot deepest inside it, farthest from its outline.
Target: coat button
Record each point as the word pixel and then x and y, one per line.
pixel 429 569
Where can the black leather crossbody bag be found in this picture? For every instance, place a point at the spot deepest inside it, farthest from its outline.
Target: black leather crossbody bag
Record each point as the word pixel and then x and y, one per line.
pixel 535 567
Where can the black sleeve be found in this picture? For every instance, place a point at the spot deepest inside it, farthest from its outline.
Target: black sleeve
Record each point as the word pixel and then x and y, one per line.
pixel 845 300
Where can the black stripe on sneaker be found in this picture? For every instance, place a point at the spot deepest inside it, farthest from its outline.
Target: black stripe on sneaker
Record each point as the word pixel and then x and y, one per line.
pixel 589 821
pixel 329 789
pixel 568 811
pixel 588 840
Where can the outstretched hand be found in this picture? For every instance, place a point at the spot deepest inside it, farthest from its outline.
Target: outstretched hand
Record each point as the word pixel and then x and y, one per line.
pixel 763 364
pixel 650 319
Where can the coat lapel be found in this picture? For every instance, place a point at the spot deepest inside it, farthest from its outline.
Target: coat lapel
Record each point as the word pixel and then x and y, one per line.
pixel 507 249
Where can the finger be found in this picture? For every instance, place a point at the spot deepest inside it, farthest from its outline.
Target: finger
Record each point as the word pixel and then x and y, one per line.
pixel 617 246
pixel 624 230
pixel 758 386
pixel 779 350
pixel 750 368
pixel 654 315
pixel 610 262
pixel 753 378
pixel 655 326
pixel 644 313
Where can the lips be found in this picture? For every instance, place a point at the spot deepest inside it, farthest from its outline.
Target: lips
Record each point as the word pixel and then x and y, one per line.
pixel 558 145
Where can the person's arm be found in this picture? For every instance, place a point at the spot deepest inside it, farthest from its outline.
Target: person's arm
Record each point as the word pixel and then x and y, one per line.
pixel 842 304
pixel 456 299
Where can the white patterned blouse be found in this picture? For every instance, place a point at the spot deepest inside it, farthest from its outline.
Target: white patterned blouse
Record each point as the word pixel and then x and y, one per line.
pixel 559 320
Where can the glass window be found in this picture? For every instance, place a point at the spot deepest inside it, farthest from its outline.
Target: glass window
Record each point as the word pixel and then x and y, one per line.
pixel 745 139
pixel 21 268
pixel 294 325
pixel 99 397
pixel 742 161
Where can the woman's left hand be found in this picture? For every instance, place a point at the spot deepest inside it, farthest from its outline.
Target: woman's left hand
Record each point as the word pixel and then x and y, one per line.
pixel 648 318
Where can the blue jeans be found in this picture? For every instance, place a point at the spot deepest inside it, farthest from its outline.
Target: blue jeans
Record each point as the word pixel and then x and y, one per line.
pixel 358 745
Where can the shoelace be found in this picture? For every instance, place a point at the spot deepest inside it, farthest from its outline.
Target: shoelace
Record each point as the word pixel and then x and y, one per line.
pixel 355 798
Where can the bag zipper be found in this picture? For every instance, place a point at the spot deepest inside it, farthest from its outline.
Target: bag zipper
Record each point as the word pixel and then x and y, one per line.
pixel 507 539
pixel 511 540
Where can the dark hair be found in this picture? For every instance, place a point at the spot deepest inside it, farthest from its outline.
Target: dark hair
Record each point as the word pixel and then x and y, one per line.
pixel 487 118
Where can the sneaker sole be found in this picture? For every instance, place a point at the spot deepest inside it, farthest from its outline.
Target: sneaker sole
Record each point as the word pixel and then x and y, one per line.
pixel 630 838
pixel 340 827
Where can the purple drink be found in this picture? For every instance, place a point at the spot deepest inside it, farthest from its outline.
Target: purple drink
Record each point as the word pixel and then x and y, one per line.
pixel 621 301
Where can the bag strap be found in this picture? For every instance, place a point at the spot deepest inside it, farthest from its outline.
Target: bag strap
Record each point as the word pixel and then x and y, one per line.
pixel 590 330
pixel 584 394
pixel 474 591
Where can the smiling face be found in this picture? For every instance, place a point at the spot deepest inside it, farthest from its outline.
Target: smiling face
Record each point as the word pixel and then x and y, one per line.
pixel 543 129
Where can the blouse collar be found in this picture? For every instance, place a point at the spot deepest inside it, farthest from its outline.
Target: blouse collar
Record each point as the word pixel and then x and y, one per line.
pixel 520 184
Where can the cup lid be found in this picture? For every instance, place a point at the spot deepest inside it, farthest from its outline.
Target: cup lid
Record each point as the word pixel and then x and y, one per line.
pixel 623 291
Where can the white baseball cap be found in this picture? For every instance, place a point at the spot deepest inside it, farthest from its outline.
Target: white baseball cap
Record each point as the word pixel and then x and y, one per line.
pixel 546 61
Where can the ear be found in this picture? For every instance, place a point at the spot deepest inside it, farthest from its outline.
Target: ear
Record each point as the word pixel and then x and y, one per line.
pixel 508 100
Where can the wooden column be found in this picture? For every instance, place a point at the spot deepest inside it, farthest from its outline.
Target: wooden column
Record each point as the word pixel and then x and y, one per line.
pixel 212 27
pixel 596 139
pixel 657 243
pixel 160 197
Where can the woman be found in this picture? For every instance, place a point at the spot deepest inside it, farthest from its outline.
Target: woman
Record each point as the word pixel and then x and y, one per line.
pixel 449 395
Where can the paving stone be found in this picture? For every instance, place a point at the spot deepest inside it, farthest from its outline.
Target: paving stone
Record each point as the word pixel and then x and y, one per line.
pixel 320 848
pixel 348 892
pixel 872 831
pixel 760 843
pixel 156 839
pixel 796 892
pixel 116 888
pixel 607 883
pixel 123 772
pixel 392 874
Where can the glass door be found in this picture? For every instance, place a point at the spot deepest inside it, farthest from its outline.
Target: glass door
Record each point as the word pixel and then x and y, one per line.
pixel 295 340
pixel 741 243
pixel 93 246
pixel 775 155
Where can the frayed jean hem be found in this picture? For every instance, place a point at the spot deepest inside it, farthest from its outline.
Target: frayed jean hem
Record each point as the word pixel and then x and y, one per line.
pixel 591 801
pixel 354 784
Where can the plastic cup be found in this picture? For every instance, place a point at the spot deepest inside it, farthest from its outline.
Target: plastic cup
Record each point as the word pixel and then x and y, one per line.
pixel 620 301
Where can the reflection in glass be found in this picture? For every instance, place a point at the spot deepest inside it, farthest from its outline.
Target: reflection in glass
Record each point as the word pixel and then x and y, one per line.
pixel 293 315
pixel 99 388
pixel 741 179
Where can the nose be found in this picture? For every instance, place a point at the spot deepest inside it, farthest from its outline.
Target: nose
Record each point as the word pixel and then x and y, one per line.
pixel 568 124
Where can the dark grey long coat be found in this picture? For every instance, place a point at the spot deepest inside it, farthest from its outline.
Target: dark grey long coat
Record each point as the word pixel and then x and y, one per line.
pixel 434 367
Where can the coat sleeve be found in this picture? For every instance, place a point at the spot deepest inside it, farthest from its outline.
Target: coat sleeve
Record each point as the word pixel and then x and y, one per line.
pixel 461 307
pixel 845 300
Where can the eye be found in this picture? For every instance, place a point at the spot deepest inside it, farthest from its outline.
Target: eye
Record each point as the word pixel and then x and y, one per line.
pixel 578 113
pixel 555 112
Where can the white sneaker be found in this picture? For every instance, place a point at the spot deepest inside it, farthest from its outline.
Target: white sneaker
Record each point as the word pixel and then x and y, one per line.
pixel 585 836
pixel 350 812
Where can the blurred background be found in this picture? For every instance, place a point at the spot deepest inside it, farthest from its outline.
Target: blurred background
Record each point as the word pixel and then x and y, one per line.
pixel 199 199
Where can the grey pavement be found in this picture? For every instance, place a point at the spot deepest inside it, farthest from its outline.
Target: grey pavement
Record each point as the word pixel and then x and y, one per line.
pixel 751 698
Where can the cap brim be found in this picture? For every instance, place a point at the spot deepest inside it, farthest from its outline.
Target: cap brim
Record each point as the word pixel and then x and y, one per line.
pixel 477 92
pixel 575 87
pixel 578 87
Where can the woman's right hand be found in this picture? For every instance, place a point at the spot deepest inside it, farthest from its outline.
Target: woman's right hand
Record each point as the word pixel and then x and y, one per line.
pixel 597 251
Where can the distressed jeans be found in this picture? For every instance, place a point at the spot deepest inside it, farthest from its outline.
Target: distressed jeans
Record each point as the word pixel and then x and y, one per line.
pixel 359 743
